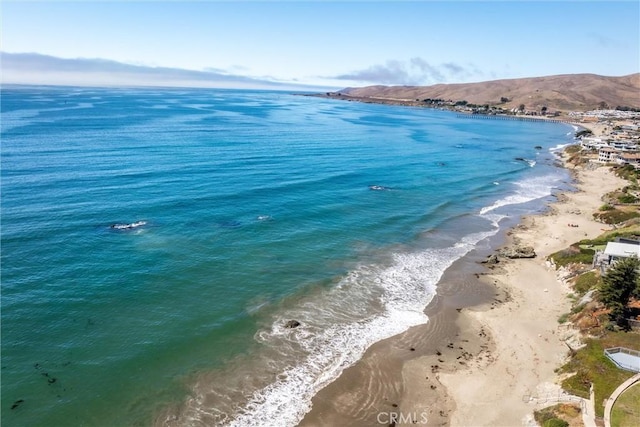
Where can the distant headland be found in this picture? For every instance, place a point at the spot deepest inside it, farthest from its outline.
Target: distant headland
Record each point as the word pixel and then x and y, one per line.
pixel 539 96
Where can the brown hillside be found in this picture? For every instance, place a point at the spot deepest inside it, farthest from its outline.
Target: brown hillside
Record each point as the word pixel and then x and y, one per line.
pixel 570 92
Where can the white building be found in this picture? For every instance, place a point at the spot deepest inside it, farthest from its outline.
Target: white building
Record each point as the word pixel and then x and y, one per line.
pixel 620 249
pixel 622 144
pixel 632 159
pixel 592 142
pixel 607 155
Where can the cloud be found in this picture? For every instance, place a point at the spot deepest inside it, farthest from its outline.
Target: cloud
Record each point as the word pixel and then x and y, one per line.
pixel 453 68
pixel 415 71
pixel 34 68
pixel 603 40
pixel 428 71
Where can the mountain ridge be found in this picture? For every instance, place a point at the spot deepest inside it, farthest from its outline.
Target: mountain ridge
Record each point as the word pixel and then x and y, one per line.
pixel 563 92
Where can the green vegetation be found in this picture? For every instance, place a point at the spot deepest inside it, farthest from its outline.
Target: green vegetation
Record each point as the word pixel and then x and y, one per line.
pixel 592 366
pixel 555 422
pixel 572 149
pixel 574 254
pixel 618 286
pixel 544 414
pixel 616 216
pixel 554 416
pixel 563 318
pixel 433 100
pixel 582 252
pixel 586 282
pixel 625 108
pixel 589 365
pixel 627 198
pixel 627 172
pixel 577 308
pixel 629 231
pixel 594 247
pixel 626 410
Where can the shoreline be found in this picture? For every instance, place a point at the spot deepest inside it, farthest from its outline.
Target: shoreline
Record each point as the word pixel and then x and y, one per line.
pixel 492 338
pixel 503 115
pixel 531 345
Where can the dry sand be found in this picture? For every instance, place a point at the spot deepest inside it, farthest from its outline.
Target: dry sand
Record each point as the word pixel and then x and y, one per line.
pixel 528 341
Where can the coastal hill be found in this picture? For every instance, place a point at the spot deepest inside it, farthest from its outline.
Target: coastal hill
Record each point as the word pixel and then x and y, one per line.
pixel 568 92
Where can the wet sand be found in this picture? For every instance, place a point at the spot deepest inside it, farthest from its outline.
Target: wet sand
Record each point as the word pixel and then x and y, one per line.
pixel 400 374
pixel 492 339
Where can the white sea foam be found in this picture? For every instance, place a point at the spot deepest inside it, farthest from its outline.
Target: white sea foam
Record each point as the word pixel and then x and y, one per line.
pixel 336 330
pixel 128 226
pixel 526 190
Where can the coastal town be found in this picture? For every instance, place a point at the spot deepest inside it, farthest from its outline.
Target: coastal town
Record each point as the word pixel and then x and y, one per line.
pixel 617 139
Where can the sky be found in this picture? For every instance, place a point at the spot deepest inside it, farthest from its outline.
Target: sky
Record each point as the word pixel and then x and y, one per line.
pixel 313 44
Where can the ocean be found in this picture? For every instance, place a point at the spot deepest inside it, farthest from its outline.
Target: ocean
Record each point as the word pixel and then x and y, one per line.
pixel 155 243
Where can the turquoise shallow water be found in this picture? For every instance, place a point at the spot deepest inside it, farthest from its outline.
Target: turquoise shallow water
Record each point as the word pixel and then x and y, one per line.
pixel 256 207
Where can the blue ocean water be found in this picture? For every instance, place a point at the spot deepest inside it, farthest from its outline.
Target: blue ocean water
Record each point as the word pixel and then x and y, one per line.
pixel 155 242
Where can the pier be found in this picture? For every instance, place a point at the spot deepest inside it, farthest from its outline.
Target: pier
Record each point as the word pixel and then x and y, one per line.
pixel 505 117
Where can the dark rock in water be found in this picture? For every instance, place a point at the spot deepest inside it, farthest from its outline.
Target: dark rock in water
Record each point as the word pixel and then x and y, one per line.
pixel 518 252
pixel 520 159
pixel 292 324
pixel 17 403
pixel 230 224
pixel 538 147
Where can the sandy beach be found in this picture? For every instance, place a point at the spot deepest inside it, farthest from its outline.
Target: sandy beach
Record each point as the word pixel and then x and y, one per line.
pixel 529 343
pixel 493 337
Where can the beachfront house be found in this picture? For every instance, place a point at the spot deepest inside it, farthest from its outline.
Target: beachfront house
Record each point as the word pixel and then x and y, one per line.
pixel 607 154
pixel 592 142
pixel 622 144
pixel 623 153
pixel 632 159
pixel 614 251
